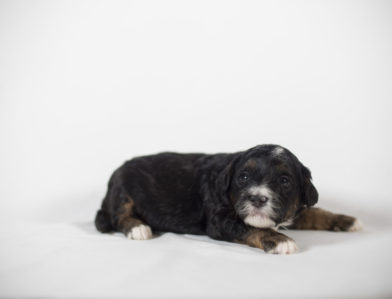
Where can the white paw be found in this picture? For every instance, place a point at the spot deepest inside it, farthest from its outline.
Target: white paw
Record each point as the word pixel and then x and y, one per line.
pixel 285 247
pixel 140 232
pixel 357 226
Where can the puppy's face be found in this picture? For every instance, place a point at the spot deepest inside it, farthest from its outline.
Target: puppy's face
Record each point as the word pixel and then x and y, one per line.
pixel 269 185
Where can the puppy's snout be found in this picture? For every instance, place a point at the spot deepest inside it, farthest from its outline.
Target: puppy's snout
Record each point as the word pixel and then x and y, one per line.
pixel 258 201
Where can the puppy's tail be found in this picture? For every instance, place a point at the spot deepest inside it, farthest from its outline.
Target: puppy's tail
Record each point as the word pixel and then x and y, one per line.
pixel 102 222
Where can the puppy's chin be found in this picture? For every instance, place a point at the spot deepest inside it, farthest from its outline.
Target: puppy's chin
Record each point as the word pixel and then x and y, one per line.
pixel 260 221
pixel 259 217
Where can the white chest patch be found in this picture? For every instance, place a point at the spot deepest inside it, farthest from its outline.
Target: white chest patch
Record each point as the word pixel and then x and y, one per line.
pixel 284 224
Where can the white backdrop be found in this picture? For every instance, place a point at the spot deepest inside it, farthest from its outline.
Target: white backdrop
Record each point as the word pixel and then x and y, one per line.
pixel 85 85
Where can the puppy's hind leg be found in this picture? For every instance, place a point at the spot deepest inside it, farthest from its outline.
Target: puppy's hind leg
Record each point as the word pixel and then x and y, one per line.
pixel 319 219
pixel 130 224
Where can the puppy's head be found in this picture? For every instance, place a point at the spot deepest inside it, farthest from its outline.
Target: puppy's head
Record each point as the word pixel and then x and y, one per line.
pixel 267 185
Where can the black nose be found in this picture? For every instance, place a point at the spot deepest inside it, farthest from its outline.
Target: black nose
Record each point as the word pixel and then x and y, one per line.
pixel 264 199
pixel 258 201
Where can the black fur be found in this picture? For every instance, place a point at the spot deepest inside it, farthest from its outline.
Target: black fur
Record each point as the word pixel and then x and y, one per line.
pixel 204 194
pixel 102 222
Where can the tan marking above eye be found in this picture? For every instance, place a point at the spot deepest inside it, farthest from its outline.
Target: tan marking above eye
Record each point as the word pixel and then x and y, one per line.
pixel 251 163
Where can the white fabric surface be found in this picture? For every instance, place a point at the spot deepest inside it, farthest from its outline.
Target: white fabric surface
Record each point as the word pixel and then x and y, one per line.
pixel 71 259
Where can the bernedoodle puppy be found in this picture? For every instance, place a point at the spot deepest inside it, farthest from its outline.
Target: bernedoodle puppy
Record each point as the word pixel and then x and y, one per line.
pixel 243 197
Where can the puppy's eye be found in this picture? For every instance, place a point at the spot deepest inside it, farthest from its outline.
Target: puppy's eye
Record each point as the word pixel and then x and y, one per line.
pixel 243 178
pixel 284 180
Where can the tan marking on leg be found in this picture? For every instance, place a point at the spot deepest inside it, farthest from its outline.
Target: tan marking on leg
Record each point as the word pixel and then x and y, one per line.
pixel 131 226
pixel 126 221
pixel 319 219
pixel 270 241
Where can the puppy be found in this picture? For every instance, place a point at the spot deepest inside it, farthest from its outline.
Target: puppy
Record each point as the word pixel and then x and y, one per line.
pixel 242 197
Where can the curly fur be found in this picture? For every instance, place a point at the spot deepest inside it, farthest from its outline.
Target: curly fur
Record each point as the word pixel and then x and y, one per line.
pixel 199 194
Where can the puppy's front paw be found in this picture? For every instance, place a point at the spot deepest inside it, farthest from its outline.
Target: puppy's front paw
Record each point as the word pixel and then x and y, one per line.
pixel 279 245
pixel 140 232
pixel 346 224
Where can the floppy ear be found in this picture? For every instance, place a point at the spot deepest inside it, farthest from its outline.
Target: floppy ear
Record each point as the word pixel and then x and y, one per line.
pixel 309 192
pixel 224 177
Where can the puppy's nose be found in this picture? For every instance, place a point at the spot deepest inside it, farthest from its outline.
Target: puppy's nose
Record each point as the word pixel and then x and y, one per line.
pixel 264 199
pixel 258 201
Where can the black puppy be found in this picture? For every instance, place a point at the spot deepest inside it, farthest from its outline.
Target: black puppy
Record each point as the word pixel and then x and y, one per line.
pixel 242 197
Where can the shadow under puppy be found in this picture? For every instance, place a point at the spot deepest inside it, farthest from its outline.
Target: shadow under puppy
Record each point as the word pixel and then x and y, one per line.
pixel 241 197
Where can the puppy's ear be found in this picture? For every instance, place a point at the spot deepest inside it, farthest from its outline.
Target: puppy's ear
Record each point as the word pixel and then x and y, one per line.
pixel 309 192
pixel 224 177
